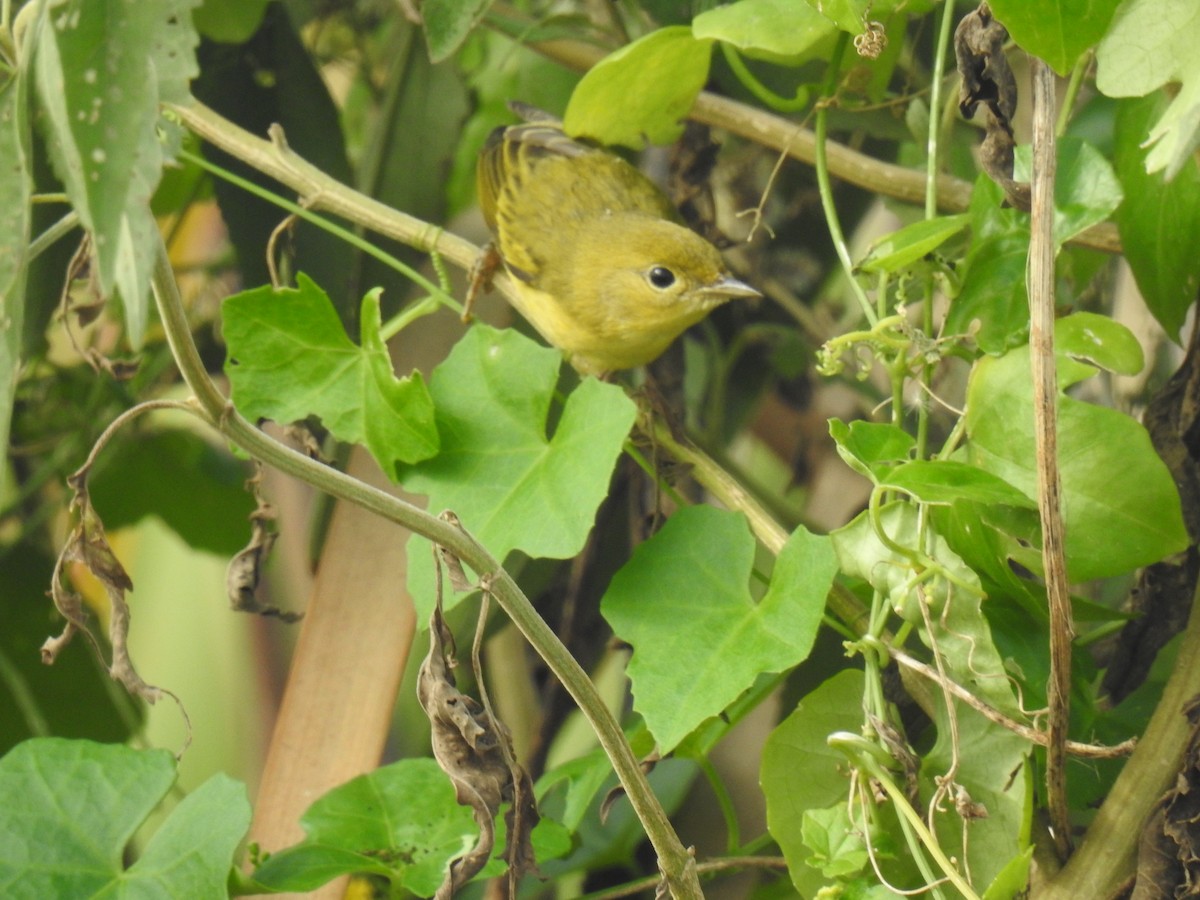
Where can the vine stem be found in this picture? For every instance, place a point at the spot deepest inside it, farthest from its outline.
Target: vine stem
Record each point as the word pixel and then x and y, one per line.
pixel 863 752
pixel 822 163
pixel 932 146
pixel 1040 278
pixel 677 864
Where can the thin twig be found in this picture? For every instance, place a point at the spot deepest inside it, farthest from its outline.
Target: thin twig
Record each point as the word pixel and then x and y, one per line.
pixel 1033 735
pixel 711 866
pixel 1040 279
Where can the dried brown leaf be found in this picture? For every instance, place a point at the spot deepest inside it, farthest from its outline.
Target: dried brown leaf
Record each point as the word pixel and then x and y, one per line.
pixel 88 545
pixel 244 573
pixel 987 79
pixel 475 750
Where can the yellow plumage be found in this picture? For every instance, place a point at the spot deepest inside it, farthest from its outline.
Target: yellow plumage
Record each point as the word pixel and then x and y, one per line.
pixel 602 267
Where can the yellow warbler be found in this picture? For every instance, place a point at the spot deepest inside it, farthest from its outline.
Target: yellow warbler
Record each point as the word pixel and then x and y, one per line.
pixel 603 268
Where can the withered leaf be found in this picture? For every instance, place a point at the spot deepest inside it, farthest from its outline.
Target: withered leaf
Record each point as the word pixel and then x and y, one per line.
pixel 89 545
pixel 244 573
pixel 987 79
pixel 475 750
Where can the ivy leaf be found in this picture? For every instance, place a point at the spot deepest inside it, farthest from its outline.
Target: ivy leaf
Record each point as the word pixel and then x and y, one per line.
pixel 781 28
pixel 683 601
pixel 642 92
pixel 102 68
pixel 513 486
pixel 1113 481
pixel 801 772
pixel 1153 43
pixel 400 821
pixel 289 358
pixel 1167 271
pixel 68 809
pixel 1058 31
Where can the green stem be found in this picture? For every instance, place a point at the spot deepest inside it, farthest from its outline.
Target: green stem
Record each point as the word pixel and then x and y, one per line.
pixel 935 105
pixel 678 865
pixel 932 168
pixel 760 90
pixel 323 223
pixel 733 834
pixel 646 466
pixel 826 190
pixel 863 753
pixel 1068 102
pixel 47 238
pixel 397 323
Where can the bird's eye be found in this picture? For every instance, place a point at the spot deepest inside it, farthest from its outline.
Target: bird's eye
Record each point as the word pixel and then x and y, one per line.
pixel 661 277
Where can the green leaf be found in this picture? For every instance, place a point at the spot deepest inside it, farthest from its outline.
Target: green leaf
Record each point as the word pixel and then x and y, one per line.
pixel 289 358
pixel 1167 271
pixel 16 188
pixel 1113 481
pixel 1013 879
pixel 1058 31
pixel 789 28
pixel 870 448
pixel 69 808
pixel 683 601
pixel 448 22
pixel 992 766
pixel 905 246
pixel 934 582
pixel 400 821
pixel 944 481
pixel 801 772
pixel 229 21
pixel 642 92
pixel 1100 341
pixel 1086 190
pixel 514 486
pixel 1153 43
pixel 191 853
pixel 992 302
pixel 837 844
pixel 102 68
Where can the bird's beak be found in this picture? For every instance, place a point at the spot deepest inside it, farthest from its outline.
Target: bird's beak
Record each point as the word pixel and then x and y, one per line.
pixel 728 288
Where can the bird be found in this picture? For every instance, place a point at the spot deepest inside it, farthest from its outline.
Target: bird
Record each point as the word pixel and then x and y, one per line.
pixel 601 263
